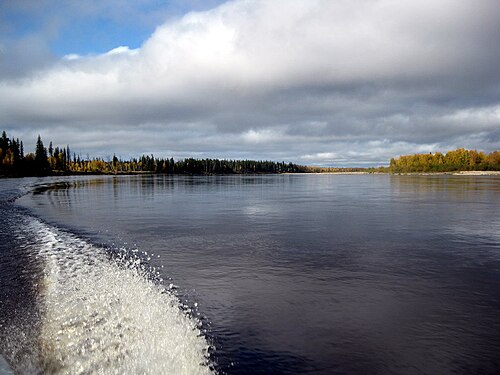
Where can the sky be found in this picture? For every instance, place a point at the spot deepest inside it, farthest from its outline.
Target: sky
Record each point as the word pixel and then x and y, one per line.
pixel 316 82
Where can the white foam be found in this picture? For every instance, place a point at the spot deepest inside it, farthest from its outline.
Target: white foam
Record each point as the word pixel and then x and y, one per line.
pixel 105 316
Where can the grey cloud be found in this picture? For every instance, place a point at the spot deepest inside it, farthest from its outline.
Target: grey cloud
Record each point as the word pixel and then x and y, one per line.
pixel 317 82
pixel 24 58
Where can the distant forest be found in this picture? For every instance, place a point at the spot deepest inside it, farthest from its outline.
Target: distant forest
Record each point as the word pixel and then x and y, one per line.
pixel 456 160
pixel 59 161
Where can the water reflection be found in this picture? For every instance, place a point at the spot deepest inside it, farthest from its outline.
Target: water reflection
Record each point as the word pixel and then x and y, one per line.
pixel 315 273
pixel 456 186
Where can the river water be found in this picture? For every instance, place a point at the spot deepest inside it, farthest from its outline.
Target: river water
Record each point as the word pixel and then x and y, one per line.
pixel 267 274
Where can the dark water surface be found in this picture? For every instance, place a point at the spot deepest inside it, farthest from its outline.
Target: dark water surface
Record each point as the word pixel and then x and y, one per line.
pixel 289 274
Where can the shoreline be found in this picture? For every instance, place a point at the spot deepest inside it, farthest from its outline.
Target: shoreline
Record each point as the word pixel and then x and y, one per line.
pixel 145 173
pixel 478 173
pixel 450 173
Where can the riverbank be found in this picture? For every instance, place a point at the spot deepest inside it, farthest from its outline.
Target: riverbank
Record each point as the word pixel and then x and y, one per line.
pixel 451 173
pixel 478 173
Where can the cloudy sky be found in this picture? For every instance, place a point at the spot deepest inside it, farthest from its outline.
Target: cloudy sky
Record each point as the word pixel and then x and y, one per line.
pixel 317 82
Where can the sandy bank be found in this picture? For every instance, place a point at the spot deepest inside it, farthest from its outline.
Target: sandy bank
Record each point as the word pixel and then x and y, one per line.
pixel 477 173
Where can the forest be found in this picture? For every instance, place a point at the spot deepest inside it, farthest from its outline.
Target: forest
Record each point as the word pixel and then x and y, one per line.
pixel 456 160
pixel 51 160
pixel 60 161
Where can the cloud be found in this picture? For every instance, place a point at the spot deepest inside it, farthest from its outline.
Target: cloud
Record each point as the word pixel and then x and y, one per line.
pixel 314 81
pixel 27 55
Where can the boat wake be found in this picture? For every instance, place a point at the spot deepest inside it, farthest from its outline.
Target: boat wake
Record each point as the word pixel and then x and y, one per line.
pixel 104 314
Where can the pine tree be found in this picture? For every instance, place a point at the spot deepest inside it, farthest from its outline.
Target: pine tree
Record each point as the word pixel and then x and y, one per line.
pixel 41 162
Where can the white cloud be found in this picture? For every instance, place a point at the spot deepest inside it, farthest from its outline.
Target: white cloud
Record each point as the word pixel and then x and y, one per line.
pixel 122 50
pixel 321 156
pixel 71 56
pixel 263 136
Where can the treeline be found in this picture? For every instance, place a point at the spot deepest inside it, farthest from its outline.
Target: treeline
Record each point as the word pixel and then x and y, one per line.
pixel 456 160
pixel 313 169
pixel 59 160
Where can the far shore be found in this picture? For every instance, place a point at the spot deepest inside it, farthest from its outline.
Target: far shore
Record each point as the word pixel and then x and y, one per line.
pixel 340 172
pixel 449 173
pixel 478 173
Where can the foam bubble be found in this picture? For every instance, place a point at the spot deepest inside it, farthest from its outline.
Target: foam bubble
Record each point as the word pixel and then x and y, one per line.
pixel 104 315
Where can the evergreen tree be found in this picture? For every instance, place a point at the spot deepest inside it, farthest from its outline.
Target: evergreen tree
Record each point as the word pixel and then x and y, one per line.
pixel 41 162
pixel 4 141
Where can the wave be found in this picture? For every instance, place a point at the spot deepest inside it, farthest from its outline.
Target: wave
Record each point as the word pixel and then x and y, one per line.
pixel 105 314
